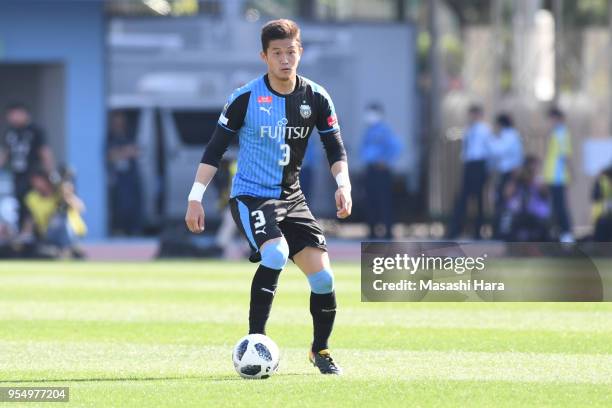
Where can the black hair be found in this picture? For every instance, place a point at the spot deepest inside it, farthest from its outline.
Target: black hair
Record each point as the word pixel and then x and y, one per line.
pixel 475 109
pixel 375 106
pixel 279 30
pixel 556 113
pixel 40 172
pixel 504 120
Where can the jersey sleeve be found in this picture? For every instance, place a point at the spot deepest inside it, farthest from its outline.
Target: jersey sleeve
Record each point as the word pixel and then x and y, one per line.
pixel 327 121
pixel 329 129
pixel 234 111
pixel 230 121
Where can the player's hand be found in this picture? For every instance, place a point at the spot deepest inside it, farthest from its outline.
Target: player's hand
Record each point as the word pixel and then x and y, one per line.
pixel 195 217
pixel 344 203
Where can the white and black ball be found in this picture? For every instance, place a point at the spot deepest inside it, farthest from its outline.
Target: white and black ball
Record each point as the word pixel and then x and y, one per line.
pixel 256 356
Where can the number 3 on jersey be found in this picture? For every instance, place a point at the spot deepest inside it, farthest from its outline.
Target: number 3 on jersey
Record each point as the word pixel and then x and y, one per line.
pixel 286 153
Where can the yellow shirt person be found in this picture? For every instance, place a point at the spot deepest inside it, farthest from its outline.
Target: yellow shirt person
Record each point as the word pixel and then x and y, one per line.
pixel 556 166
pixel 42 209
pixel 54 211
pixel 557 169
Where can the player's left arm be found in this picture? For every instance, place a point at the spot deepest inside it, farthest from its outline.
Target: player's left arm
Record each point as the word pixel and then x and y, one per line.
pixel 327 123
pixel 344 202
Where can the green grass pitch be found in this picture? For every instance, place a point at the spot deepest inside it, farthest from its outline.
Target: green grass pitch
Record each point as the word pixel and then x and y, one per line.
pixel 161 334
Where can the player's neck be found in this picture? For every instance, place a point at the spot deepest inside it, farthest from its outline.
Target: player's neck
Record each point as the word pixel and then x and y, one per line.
pixel 281 86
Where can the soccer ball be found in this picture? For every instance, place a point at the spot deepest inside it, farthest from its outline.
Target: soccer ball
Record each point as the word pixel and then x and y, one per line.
pixel 255 356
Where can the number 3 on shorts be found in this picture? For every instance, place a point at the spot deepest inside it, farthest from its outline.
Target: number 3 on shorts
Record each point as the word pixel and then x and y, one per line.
pixel 260 221
pixel 286 153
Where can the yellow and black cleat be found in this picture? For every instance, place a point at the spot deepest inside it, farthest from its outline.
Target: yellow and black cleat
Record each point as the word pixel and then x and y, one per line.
pixel 324 362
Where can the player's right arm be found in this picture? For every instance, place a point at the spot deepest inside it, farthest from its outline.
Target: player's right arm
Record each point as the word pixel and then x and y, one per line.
pixel 195 211
pixel 230 121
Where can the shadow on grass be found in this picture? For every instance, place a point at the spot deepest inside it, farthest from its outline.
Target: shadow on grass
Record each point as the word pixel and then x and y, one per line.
pixel 206 378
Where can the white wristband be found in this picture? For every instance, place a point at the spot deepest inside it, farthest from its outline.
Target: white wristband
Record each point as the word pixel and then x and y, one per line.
pixel 197 192
pixel 342 180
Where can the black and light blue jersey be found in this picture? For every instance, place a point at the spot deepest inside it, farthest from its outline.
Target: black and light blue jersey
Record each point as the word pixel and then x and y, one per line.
pixel 273 131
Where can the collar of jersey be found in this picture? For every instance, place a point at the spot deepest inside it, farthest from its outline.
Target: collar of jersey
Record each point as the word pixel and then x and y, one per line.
pixel 298 80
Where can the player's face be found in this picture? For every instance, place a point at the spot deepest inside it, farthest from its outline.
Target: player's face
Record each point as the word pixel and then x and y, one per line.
pixel 283 57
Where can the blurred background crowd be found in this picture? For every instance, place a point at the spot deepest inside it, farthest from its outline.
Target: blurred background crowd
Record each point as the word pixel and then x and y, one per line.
pixel 476 119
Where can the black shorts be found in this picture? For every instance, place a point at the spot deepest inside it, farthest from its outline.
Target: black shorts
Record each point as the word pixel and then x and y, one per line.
pixel 262 219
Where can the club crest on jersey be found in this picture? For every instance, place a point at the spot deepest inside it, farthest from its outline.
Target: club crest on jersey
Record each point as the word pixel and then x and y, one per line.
pixel 305 111
pixel 264 99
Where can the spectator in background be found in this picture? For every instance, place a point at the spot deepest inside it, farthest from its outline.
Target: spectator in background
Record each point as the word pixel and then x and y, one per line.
pixel 527 209
pixel 124 178
pixel 507 158
pixel 476 152
pixel 54 214
pixel 379 149
pixel 557 168
pixel 602 206
pixel 23 147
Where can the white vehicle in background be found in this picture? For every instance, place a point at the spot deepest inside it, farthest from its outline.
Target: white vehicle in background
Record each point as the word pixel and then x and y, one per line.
pixel 171 139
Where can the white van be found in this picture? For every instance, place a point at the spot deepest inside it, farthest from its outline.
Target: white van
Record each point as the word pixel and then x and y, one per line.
pixel 171 138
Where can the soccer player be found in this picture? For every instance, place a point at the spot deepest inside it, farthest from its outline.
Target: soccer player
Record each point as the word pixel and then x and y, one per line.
pixel 273 116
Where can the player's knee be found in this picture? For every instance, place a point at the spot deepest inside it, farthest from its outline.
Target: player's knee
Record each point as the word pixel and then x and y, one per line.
pixel 322 282
pixel 275 254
